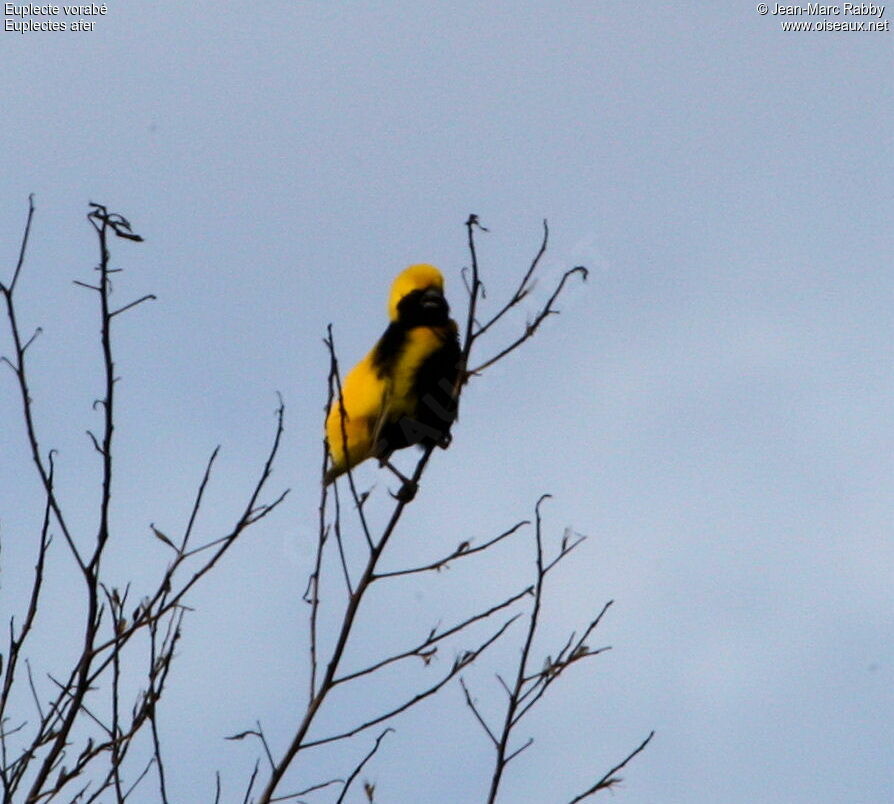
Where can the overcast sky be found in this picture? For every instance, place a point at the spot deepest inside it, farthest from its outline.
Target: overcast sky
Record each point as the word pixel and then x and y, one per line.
pixel 712 409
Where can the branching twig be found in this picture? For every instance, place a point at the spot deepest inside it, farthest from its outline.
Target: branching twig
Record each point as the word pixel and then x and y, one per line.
pixel 344 632
pixel 259 733
pixel 19 368
pixel 461 662
pixel 165 599
pixel 101 221
pixel 523 289
pixel 609 780
pixel 16 642
pixel 503 741
pixel 529 687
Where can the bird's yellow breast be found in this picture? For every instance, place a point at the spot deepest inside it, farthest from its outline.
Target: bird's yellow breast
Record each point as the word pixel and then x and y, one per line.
pixel 421 342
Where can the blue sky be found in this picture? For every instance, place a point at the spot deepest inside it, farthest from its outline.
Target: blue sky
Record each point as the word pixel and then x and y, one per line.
pixel 713 408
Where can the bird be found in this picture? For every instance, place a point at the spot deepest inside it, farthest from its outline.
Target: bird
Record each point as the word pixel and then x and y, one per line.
pixel 403 392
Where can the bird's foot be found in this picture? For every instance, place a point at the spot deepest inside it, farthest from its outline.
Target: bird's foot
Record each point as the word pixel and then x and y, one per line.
pixel 408 487
pixel 406 492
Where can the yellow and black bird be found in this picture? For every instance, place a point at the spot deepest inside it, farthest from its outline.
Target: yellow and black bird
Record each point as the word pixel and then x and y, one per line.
pixel 402 392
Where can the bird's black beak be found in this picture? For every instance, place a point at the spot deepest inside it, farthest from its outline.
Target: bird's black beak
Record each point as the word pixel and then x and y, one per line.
pixel 432 299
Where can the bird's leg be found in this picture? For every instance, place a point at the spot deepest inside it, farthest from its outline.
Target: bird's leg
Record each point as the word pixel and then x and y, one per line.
pixel 409 487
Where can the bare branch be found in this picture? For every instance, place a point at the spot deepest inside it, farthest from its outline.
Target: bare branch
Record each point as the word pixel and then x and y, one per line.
pixel 609 780
pixel 21 261
pixel 336 526
pixel 95 442
pixel 347 623
pixel 529 687
pixel 335 392
pixel 504 685
pixel 522 290
pixel 514 754
pixel 20 371
pixel 356 771
pixel 33 689
pixel 471 704
pixel 433 638
pixel 147 297
pixel 503 742
pixel 475 291
pixel 31 340
pixel 101 221
pixel 550 673
pixel 322 684
pixel 139 778
pixel 461 662
pixel 16 642
pixel 312 789
pixel 546 311
pixel 572 652
pixel 165 600
pixel 198 500
pixel 565 550
pixel 259 733
pixel 160 658
pixel 251 783
pixel 462 551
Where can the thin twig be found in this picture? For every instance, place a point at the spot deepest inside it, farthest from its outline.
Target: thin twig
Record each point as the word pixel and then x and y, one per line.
pixel 164 600
pixel 522 290
pixel 251 783
pixel 471 704
pixel 359 767
pixel 259 733
pixel 424 648
pixel 20 371
pixel 546 311
pixel 16 642
pixel 503 742
pixel 462 551
pixel 139 778
pixel 461 662
pixel 21 261
pixel 147 297
pixel 609 780
pixel 198 500
pixel 336 389
pixel 312 789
